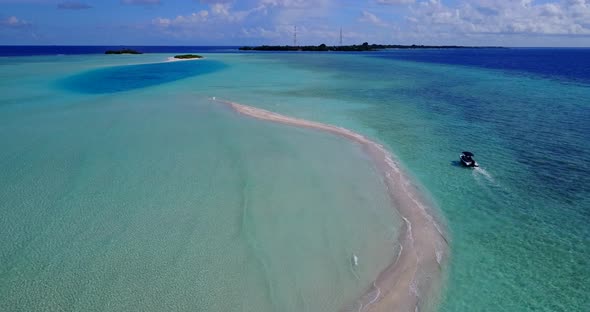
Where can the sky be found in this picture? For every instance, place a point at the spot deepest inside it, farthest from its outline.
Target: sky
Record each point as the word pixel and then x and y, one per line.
pixel 534 23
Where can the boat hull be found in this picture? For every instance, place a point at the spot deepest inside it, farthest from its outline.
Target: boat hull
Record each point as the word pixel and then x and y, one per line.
pixel 468 163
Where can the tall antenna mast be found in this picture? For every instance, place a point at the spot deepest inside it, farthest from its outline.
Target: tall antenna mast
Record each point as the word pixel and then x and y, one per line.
pixel 295 37
pixel 340 35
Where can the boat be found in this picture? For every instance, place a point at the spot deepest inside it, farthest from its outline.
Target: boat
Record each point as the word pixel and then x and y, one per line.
pixel 467 159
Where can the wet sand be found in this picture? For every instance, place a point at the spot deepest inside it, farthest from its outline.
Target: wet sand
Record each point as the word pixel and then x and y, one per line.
pixel 411 281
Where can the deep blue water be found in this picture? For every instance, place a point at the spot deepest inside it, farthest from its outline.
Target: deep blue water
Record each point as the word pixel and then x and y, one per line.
pixel 571 64
pixel 124 78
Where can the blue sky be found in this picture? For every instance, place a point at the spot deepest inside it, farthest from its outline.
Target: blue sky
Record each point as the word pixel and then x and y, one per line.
pixel 242 22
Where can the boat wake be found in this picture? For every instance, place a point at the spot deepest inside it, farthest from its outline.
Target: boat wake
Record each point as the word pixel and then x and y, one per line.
pixel 482 172
pixel 495 191
pixel 486 180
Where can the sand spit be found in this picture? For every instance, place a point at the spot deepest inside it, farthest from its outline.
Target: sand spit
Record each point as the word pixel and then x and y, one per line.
pixel 410 282
pixel 173 59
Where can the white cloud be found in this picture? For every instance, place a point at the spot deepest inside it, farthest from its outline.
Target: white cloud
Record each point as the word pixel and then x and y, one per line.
pixel 218 14
pixel 182 20
pixel 268 18
pixel 296 4
pixel 14 22
pixel 368 17
pixel 464 22
pixel 569 17
pixel 221 9
pixel 317 35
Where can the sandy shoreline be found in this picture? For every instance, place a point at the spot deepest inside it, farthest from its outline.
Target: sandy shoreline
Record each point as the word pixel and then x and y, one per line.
pixel 173 59
pixel 409 282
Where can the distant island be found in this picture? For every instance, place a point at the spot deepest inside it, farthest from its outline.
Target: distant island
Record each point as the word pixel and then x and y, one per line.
pixel 354 48
pixel 187 56
pixel 123 51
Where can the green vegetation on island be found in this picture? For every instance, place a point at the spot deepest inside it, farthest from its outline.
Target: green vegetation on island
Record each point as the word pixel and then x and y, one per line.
pixel 123 51
pixel 187 56
pixel 353 48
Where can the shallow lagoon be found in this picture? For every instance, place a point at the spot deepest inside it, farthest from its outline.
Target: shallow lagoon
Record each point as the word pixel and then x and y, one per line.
pixel 519 226
pixel 156 198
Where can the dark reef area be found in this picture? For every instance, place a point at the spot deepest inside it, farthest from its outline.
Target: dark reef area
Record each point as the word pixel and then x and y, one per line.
pixel 187 56
pixel 123 51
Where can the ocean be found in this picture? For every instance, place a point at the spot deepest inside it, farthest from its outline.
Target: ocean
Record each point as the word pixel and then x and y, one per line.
pixel 124 187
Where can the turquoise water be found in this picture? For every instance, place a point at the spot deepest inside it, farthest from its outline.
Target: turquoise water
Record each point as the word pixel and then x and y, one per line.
pixel 155 198
pixel 519 224
pixel 158 199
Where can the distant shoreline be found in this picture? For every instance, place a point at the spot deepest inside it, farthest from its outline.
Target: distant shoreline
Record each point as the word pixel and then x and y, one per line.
pixel 424 249
pixel 123 51
pixel 365 47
